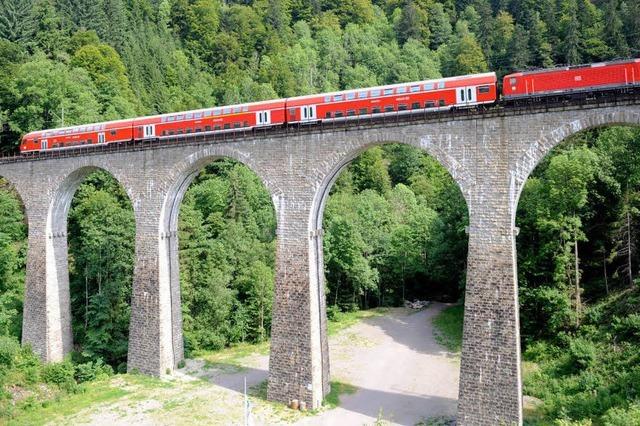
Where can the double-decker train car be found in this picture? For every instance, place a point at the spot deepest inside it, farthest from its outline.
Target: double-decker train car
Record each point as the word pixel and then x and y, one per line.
pixel 218 119
pixel 394 99
pixel 572 80
pixel 71 137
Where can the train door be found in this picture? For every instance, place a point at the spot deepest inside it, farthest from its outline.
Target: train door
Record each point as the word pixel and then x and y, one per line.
pixel 308 112
pixel 466 95
pixel 149 131
pixel 263 118
pixel 101 138
pixel 44 144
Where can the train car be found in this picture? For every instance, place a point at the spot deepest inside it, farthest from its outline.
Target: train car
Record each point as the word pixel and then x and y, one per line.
pixel 72 137
pixel 572 80
pixel 210 120
pixel 444 93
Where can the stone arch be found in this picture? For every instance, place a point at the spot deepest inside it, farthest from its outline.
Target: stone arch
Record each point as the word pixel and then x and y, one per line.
pixel 334 164
pixel 179 180
pixel 541 147
pixel 58 299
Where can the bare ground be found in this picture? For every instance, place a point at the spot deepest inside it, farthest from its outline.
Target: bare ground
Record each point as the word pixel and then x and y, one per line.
pixel 399 371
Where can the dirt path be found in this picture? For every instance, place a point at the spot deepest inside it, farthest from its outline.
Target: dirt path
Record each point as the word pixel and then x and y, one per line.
pixel 393 361
pixel 400 371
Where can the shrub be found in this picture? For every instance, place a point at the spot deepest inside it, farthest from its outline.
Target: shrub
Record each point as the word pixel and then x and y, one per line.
pixel 9 349
pixel 92 370
pixel 60 373
pixel 582 352
pixel 627 328
pixel 622 417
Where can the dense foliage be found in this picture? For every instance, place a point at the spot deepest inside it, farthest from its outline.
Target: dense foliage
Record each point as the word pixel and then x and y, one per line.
pixel 394 230
pixel 395 220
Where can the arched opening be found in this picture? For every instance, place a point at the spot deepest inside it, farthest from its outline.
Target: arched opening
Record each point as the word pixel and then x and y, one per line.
pixel 577 264
pixel 393 222
pixel 92 228
pixel 13 254
pixel 221 256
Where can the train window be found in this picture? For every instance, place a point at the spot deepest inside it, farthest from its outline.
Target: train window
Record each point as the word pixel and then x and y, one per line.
pixel 245 123
pixel 237 125
pixel 327 98
pixel 484 89
pixel 164 133
pixel 351 112
pixel 362 95
pixel 245 108
pixel 226 110
pixel 441 85
pixel 90 141
pixel 428 86
pixel 179 117
pixel 198 129
pixel 207 128
pixel 401 90
pixel 217 111
pixel 429 104
pixel 198 115
pixel 339 114
pixel 180 131
pixel 375 93
pixel 388 108
pixel 227 125
pixel 113 133
pixel 216 128
pixel 237 109
pixel 351 96
pixel 513 81
pixel 164 119
pixel 208 113
pixel 441 102
pixel 189 116
pixel 292 111
pixel 189 131
pixel 388 91
pixel 375 110
pixel 364 111
pixel 337 98
pixel 402 107
pixel 171 119
pixel 415 89
pixel 328 114
pixel 415 105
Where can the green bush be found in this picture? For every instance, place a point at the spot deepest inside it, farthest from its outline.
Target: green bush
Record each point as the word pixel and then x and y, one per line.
pixel 627 328
pixel 60 373
pixel 9 349
pixel 622 417
pixel 92 370
pixel 582 353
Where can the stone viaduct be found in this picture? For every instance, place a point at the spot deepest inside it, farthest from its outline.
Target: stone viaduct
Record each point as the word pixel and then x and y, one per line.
pixel 490 154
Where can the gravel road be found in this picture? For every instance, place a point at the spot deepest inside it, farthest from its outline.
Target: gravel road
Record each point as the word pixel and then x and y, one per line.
pixel 400 371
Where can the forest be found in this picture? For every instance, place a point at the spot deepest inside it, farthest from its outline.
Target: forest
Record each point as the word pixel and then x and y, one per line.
pixel 395 221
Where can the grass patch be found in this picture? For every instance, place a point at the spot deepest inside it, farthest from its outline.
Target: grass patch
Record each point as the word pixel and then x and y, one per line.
pixel 332 400
pixel 229 358
pixel 448 328
pixel 56 411
pixel 342 320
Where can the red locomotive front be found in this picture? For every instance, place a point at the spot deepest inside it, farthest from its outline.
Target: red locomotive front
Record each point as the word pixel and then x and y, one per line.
pixel 583 78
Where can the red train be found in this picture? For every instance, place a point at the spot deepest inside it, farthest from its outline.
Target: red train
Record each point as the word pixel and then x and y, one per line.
pixel 397 99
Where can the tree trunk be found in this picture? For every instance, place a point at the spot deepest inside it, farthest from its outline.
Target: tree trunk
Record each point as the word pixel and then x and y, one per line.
pixel 629 247
pixel 577 266
pixel 604 267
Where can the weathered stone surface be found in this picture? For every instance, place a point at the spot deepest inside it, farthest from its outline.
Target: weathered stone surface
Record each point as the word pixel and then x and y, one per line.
pixel 490 157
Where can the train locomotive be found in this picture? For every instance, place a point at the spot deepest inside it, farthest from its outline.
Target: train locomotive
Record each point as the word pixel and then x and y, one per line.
pixel 426 96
